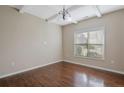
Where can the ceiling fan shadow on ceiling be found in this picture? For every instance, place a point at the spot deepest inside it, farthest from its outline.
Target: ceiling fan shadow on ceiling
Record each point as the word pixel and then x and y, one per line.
pixel 64 15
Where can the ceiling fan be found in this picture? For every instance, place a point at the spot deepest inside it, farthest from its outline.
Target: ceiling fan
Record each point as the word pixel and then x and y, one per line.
pixel 64 15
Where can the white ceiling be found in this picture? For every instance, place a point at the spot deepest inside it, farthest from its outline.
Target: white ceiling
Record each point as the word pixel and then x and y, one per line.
pixel 77 12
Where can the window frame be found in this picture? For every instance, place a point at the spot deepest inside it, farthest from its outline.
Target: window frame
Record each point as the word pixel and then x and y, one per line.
pixel 89 30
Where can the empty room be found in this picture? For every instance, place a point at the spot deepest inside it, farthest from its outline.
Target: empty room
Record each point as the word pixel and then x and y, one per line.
pixel 61 46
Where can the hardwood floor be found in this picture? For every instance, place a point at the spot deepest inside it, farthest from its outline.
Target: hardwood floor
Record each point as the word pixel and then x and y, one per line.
pixel 64 74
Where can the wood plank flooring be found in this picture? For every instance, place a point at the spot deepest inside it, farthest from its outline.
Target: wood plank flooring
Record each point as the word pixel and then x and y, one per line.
pixel 64 74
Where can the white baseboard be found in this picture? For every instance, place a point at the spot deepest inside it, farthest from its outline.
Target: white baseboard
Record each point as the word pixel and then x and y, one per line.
pixel 96 67
pixel 28 69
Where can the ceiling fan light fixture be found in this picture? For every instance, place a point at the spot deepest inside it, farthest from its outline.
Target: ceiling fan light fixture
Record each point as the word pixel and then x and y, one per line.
pixel 64 15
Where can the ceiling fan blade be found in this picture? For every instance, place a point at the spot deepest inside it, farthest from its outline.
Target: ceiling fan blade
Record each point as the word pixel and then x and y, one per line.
pixel 75 22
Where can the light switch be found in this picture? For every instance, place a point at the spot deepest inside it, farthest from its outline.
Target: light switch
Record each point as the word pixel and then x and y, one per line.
pixel 45 43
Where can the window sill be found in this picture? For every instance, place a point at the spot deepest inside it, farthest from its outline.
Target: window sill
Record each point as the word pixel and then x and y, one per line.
pixel 89 58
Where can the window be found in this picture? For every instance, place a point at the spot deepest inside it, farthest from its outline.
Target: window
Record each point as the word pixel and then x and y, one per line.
pixel 89 43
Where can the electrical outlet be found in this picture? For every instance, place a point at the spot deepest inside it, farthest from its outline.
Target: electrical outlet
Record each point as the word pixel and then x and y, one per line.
pixel 13 64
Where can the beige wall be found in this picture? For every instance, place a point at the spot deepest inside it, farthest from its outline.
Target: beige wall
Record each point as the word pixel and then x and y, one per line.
pixel 22 41
pixel 23 37
pixel 114 41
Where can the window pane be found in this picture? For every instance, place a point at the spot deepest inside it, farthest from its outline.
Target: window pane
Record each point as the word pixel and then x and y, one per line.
pixel 89 44
pixel 80 38
pixel 95 50
pixel 80 50
pixel 96 37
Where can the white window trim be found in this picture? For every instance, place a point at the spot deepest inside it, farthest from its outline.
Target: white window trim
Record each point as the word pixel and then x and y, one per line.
pixel 89 30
